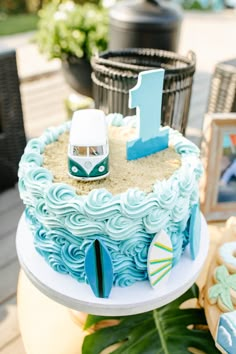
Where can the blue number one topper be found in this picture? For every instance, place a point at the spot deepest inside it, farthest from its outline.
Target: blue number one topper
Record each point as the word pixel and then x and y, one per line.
pixel 147 97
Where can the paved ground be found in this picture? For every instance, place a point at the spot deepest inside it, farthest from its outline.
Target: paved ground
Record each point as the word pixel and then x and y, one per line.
pixel 210 35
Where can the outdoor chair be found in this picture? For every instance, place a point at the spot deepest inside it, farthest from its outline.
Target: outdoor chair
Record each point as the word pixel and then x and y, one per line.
pixel 12 134
pixel 222 97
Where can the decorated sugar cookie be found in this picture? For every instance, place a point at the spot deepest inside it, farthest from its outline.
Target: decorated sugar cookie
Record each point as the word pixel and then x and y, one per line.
pixel 224 291
pixel 227 256
pixel 160 257
pixel 99 270
pixel 226 333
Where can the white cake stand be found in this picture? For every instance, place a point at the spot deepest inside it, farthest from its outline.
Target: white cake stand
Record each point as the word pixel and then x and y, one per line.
pixel 137 298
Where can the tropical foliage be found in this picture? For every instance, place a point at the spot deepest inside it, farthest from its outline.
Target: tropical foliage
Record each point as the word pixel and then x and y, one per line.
pixel 167 330
pixel 68 29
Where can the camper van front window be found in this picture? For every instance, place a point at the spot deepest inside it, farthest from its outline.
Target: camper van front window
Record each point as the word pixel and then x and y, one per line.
pixel 96 150
pixel 80 150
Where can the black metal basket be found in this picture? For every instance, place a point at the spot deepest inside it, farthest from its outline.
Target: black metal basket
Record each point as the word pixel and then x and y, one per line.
pixel 12 134
pixel 116 72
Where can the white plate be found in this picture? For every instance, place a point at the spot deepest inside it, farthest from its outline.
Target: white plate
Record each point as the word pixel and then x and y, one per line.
pixel 134 299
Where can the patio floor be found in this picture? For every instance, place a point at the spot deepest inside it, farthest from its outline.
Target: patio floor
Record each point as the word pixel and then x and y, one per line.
pixel 209 35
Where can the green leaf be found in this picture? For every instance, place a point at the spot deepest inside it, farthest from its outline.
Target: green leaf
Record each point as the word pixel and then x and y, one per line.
pixel 93 319
pixel 167 330
pixel 68 29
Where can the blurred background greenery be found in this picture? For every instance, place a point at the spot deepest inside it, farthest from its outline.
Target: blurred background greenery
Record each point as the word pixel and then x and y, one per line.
pixel 21 15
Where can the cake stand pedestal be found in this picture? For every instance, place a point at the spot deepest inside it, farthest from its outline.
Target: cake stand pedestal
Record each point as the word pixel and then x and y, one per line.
pixel 40 316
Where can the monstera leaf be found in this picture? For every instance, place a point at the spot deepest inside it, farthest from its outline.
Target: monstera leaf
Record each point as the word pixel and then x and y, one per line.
pixel 167 330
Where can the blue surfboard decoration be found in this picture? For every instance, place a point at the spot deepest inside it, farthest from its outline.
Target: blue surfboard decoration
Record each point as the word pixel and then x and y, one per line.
pixel 195 231
pixel 99 269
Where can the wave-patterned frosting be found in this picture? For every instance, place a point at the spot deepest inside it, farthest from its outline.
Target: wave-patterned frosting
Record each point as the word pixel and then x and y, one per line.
pixel 34 145
pixel 33 184
pixel 125 271
pixel 83 226
pixel 156 220
pixel 65 253
pixel 61 199
pixel 166 193
pixel 136 204
pixel 137 247
pixel 176 232
pixel 119 227
pixel 64 223
pixel 100 204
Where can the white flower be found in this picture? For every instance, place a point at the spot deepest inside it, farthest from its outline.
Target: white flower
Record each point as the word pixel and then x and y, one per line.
pixel 67 6
pixel 108 3
pixel 60 16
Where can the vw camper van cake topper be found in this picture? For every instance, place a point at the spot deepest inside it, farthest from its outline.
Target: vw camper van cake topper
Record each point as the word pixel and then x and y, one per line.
pixel 88 150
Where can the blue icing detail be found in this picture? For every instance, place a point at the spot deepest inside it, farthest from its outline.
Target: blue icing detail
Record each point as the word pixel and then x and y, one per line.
pixel 186 147
pixel 195 231
pixel 139 148
pixel 176 231
pixel 226 334
pixel 177 244
pixel 125 270
pixel 31 218
pixel 65 253
pixel 115 119
pixel 34 145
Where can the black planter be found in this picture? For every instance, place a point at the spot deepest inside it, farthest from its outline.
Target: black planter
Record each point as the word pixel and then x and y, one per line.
pixel 145 24
pixel 77 72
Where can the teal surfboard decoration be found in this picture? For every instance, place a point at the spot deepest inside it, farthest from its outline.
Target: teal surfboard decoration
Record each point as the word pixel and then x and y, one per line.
pixel 195 231
pixel 99 269
pixel 160 259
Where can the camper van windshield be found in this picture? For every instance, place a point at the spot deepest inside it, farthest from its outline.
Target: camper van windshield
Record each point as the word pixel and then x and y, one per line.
pixel 79 150
pixel 88 151
pixel 95 150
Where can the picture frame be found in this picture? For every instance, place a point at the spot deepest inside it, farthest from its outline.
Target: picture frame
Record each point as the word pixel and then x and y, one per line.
pixel 218 148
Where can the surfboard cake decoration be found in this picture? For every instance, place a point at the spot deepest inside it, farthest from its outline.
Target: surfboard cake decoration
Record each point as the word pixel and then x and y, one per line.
pixel 99 269
pixel 195 231
pixel 160 258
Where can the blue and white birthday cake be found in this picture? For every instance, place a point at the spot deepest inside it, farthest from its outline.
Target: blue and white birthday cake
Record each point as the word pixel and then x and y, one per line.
pixel 110 200
pixel 131 226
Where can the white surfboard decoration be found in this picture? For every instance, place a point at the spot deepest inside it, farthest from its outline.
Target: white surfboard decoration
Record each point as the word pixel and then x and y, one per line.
pixel 160 257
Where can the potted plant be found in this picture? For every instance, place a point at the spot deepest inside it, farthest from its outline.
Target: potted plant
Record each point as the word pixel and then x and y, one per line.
pixel 73 33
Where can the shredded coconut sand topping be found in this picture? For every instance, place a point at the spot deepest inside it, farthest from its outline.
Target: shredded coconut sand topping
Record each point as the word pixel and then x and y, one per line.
pixel 141 173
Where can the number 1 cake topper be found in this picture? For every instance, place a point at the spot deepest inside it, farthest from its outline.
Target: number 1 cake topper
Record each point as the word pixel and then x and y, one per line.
pixel 147 97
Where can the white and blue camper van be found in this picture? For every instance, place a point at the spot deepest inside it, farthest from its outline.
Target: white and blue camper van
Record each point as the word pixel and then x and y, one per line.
pixel 88 150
